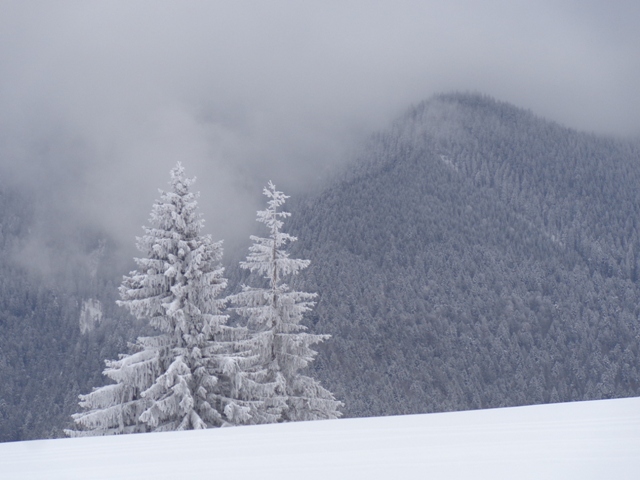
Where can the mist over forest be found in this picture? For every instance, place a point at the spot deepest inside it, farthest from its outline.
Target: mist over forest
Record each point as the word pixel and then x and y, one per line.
pixel 473 255
pixel 99 101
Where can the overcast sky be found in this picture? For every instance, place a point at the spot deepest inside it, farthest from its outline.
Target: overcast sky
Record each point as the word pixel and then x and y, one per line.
pixel 99 99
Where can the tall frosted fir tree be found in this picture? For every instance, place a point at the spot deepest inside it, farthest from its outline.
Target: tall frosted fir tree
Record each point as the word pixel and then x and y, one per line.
pixel 274 313
pixel 188 376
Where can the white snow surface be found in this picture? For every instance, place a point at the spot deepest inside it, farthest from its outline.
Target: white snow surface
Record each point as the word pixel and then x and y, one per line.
pixel 585 440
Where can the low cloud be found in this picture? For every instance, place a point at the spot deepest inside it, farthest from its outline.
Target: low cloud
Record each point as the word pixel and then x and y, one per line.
pixel 98 100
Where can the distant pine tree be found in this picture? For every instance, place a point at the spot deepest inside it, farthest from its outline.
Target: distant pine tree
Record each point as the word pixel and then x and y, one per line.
pixel 274 314
pixel 190 375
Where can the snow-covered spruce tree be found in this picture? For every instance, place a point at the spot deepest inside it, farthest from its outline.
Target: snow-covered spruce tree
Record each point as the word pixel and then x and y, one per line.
pixel 273 316
pixel 190 375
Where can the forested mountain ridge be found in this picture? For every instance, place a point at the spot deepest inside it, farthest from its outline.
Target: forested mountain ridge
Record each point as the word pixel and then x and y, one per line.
pixel 477 256
pixel 474 255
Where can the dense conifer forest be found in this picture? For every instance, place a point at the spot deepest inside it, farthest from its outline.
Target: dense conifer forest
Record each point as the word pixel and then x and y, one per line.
pixel 472 256
pixel 477 256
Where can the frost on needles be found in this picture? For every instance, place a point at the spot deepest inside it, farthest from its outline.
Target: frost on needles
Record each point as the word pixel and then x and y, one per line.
pixel 191 374
pixel 198 371
pixel 274 312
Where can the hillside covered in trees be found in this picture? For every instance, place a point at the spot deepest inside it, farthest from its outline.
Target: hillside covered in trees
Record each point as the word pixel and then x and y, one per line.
pixel 477 256
pixel 472 256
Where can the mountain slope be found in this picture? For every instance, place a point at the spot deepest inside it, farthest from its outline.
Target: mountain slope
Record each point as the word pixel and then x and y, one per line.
pixel 590 440
pixel 476 256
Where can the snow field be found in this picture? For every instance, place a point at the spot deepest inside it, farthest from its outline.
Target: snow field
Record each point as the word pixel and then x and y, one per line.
pixel 583 440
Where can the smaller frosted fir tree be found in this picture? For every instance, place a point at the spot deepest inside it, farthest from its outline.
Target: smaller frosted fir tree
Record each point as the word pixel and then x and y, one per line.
pixel 190 375
pixel 274 314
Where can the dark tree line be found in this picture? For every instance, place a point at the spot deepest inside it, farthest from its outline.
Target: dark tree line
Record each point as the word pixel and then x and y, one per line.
pixel 477 256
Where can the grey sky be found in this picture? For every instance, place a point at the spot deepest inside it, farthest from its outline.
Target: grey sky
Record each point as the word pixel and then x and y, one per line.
pixel 98 100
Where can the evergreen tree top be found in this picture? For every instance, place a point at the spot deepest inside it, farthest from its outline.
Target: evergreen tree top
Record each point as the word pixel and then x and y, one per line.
pixel 179 182
pixel 271 216
pixel 267 256
pixel 175 213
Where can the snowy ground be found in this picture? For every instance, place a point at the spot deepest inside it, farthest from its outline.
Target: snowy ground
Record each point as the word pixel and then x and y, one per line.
pixel 586 440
